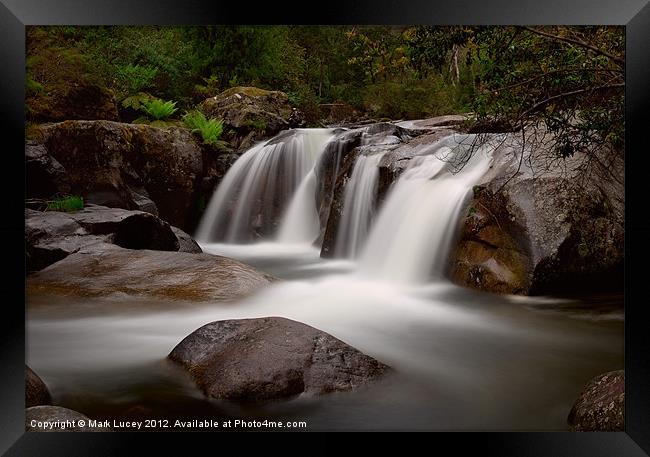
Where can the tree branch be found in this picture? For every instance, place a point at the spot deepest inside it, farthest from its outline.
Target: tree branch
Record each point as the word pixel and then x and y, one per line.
pixel 543 103
pixel 620 61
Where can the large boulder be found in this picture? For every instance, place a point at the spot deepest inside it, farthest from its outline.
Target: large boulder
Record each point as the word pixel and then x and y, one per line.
pixel 36 392
pixel 272 357
pixel 58 419
pixel 104 269
pixel 122 165
pixel 601 405
pixel 52 235
pixel 250 114
pixel 542 226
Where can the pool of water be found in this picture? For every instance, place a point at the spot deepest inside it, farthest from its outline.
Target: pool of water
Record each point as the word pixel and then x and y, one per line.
pixel 462 360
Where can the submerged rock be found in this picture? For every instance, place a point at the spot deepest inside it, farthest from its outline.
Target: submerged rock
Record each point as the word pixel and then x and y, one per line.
pixel 272 357
pixel 57 419
pixel 53 235
pixel 601 405
pixel 250 114
pixel 103 269
pixel 36 392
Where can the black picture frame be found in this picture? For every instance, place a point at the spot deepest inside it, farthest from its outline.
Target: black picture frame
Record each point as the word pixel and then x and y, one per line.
pixel 634 14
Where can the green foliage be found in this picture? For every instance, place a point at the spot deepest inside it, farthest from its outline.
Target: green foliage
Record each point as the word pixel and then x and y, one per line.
pixel 135 102
pixel 66 204
pixel 256 124
pixel 158 109
pixel 33 87
pixel 567 79
pixel 210 129
pixel 135 78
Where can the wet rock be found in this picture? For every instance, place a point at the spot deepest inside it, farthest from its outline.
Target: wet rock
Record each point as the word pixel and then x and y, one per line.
pixel 492 253
pixel 103 269
pixel 272 357
pixel 57 419
pixel 52 235
pixel 185 242
pixel 601 405
pixel 250 114
pixel 36 392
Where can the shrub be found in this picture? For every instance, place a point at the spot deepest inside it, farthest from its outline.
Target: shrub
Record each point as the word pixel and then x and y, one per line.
pixel 210 129
pixel 66 204
pixel 132 79
pixel 158 109
pixel 135 101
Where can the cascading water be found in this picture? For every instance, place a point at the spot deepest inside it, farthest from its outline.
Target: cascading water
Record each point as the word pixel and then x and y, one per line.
pixel 300 223
pixel 256 190
pixel 461 359
pixel 358 206
pixel 411 237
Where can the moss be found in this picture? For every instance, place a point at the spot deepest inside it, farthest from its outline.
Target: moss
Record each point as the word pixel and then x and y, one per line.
pixel 34 132
pixel 250 91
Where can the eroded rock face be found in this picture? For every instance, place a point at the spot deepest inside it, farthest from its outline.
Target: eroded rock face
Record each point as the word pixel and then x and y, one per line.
pixel 36 392
pixel 540 228
pixel 53 235
pixel 36 416
pixel 103 269
pixel 45 175
pixel 124 165
pixel 601 405
pixel 272 357
pixel 493 250
pixel 250 114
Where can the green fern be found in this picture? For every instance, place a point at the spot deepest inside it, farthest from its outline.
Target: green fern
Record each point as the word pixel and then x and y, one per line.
pixel 158 109
pixel 210 129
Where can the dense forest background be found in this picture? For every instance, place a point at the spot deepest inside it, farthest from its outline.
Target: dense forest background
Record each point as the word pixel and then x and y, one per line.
pixel 571 79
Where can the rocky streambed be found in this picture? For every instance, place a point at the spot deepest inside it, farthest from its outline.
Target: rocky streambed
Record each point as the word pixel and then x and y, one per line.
pixel 129 317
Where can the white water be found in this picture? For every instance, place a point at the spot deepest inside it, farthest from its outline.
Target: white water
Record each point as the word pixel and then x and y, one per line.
pixel 411 237
pixel 461 359
pixel 358 206
pixel 301 224
pixel 259 186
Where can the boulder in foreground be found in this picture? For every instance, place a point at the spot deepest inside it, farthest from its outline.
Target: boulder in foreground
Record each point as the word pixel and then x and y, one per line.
pixel 601 405
pixel 36 392
pixel 57 419
pixel 271 357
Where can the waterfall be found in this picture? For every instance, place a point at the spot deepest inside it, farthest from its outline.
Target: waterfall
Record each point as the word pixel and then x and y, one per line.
pixel 254 194
pixel 300 224
pixel 411 236
pixel 358 206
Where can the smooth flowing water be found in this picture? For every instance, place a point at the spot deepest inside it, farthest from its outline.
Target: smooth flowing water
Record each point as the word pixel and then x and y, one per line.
pixel 260 185
pixel 462 360
pixel 358 206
